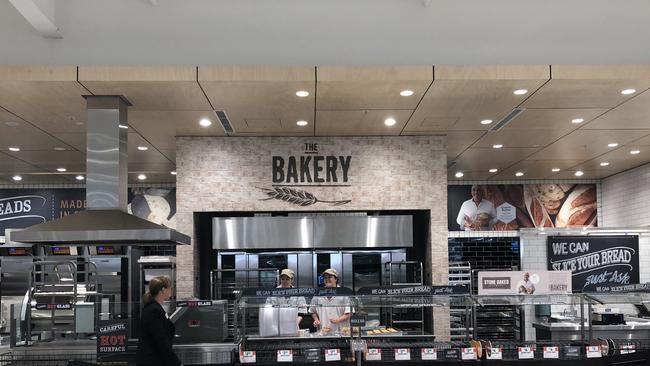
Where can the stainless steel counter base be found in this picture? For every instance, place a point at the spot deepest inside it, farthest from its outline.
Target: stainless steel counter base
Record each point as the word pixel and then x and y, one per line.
pixel 565 331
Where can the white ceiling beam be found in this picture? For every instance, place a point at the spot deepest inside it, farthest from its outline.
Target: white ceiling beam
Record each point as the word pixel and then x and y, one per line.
pixel 40 14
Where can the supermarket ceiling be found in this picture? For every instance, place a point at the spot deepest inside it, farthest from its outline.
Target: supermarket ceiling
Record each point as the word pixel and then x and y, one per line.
pixel 572 115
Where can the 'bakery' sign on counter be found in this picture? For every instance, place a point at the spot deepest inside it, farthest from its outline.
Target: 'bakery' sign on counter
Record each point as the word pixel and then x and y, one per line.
pixel 595 261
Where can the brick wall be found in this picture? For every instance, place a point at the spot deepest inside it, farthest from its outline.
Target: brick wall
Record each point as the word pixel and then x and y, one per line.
pixel 225 174
pixel 626 198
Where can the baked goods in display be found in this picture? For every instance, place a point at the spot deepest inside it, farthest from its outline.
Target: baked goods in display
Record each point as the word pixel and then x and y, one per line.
pixel 579 209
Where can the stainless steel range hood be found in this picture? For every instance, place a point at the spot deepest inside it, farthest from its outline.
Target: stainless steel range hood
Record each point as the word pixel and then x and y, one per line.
pixel 105 220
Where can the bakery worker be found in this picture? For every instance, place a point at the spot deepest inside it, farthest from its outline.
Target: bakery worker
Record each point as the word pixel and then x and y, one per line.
pixel 477 213
pixel 525 286
pixel 331 313
pixel 297 302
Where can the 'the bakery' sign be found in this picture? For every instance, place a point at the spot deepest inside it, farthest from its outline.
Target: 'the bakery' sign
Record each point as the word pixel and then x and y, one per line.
pixel 595 261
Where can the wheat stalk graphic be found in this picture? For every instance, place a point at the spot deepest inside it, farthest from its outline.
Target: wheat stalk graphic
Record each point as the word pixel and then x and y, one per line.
pixel 296 197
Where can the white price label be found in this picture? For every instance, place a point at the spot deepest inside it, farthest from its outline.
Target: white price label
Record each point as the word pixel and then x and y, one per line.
pixel 374 354
pixel 402 354
pixel 468 353
pixel 594 352
pixel 285 355
pixel 495 354
pixel 428 354
pixel 526 353
pixel 551 352
pixel 627 348
pixel 247 357
pixel 333 354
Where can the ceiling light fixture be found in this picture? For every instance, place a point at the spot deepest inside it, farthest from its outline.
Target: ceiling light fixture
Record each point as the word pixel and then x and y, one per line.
pixel 142 177
pixel 302 93
pixel 497 146
pixel 205 122
pixel 628 91
pixel 579 173
pixel 302 123
pixel 520 92
pixel 612 144
pixel 17 178
pixel 406 93
pixel 494 170
pixel 635 152
pixel 124 126
pixel 390 121
pixel 61 170
pixel 14 149
pixel 459 174
pixel 486 121
pixel 172 173
pixel 577 120
pixel 519 174
pixel 79 177
pixel 59 148
pixel 555 170
pixel 604 163
pixel 143 148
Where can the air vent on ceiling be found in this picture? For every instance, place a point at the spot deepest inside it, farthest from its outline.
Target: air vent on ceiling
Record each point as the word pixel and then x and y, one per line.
pixel 225 122
pixel 507 119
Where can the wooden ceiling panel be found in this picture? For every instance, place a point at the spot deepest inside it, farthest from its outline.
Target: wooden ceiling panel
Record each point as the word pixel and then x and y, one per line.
pixel 587 144
pixel 467 176
pixel 18 133
pixel 163 177
pixel 537 169
pixel 372 87
pixel 469 94
pixel 459 141
pixel 149 168
pixel 261 93
pixel 520 138
pixel 151 155
pixel 11 164
pixel 37 179
pixel 483 159
pixel 50 160
pixel 590 86
pixel 618 160
pixel 359 123
pixel 162 127
pixel 553 119
pixel 633 114
pixel 147 88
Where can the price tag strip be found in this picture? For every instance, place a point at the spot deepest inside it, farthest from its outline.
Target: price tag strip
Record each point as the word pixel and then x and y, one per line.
pixel 525 353
pixel 428 354
pixel 594 352
pixel 627 348
pixel 551 352
pixel 333 354
pixel 247 357
pixel 285 355
pixel 402 354
pixel 495 354
pixel 468 353
pixel 374 354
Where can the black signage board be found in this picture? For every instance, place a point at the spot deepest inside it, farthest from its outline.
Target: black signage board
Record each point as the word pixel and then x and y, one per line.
pixel 451 354
pixel 302 291
pixel 112 336
pixel 595 261
pixel 358 320
pixel 43 306
pixel 312 355
pixel 414 290
pixel 193 303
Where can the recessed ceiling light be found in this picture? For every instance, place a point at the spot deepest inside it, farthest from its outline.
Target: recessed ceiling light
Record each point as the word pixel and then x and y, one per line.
pixel 79 177
pixel 604 163
pixel 61 170
pixel 628 91
pixel 17 178
pixel 497 146
pixel 172 173
pixel 579 173
pixel 14 149
pixel 11 123
pixel 406 93
pixel 459 174
pixel 612 144
pixel 494 170
pixel 520 92
pixel 302 123
pixel 486 121
pixel 59 148
pixel 555 170
pixel 577 120
pixel 142 177
pixel 124 126
pixel 302 93
pixel 519 174
pixel 634 152
pixel 205 122
pixel 143 148
pixel 390 121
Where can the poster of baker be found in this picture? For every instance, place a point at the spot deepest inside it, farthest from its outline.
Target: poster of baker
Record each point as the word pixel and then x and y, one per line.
pixel 595 261
pixel 514 206
pixel 524 282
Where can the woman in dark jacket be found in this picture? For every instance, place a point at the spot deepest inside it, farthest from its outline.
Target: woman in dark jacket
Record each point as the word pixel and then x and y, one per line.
pixel 156 331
